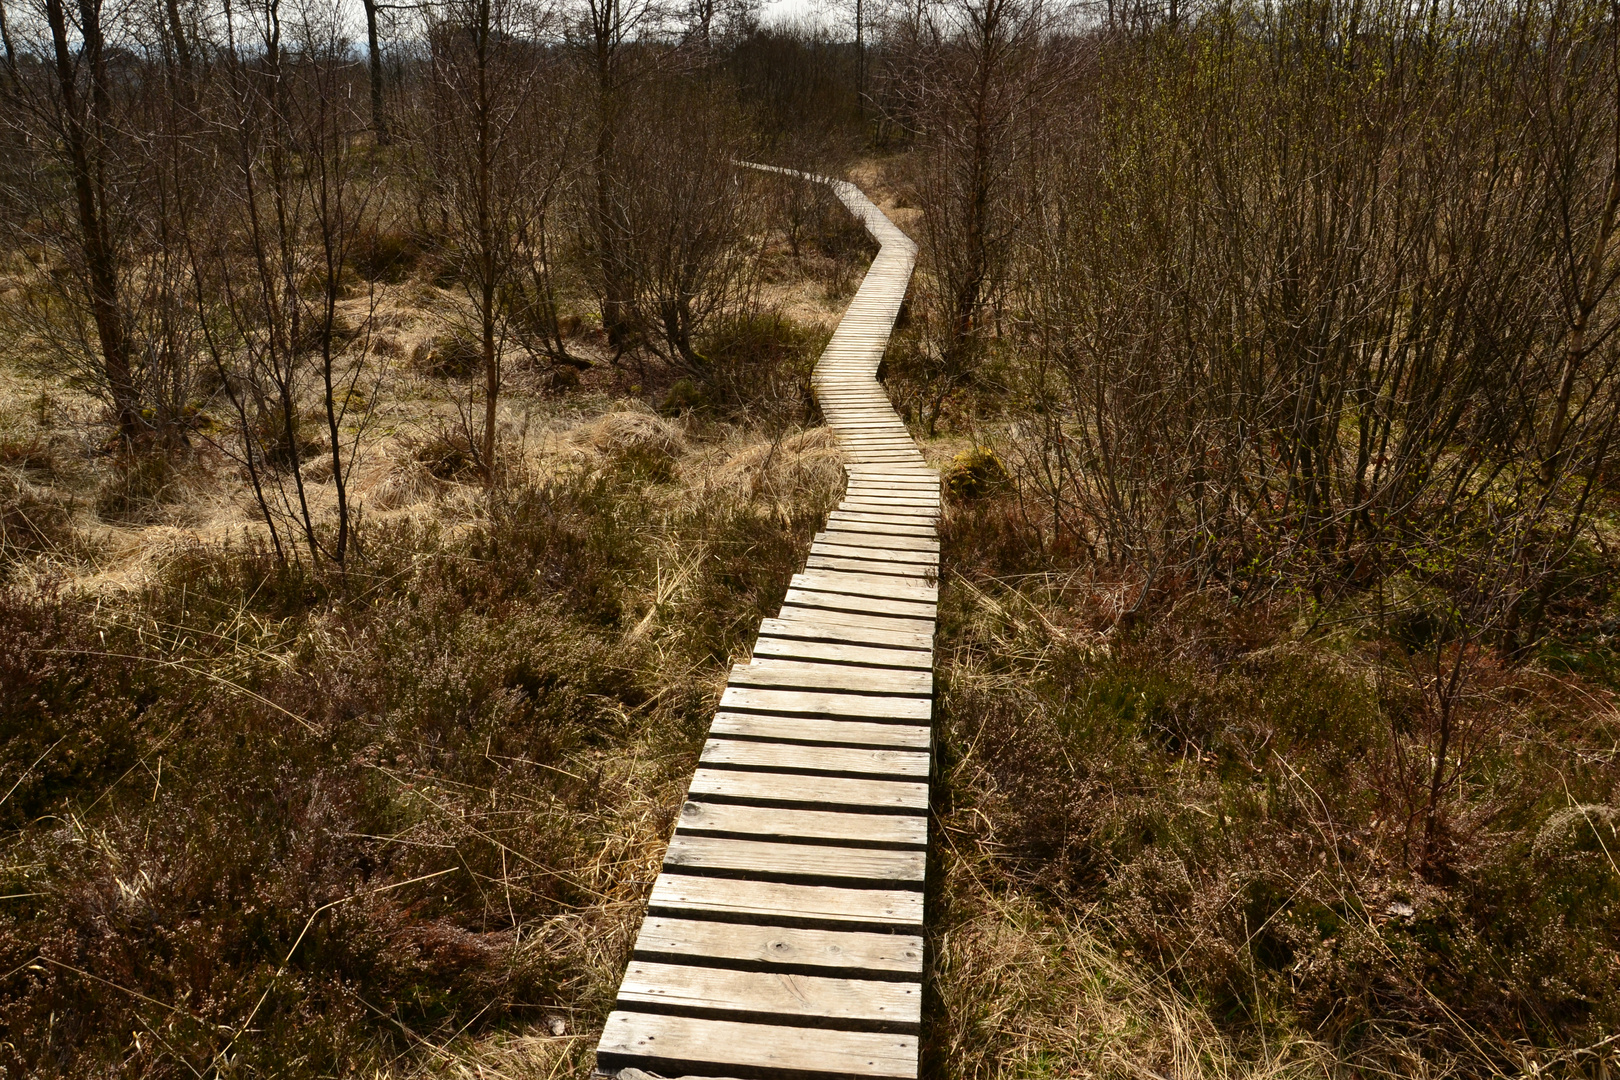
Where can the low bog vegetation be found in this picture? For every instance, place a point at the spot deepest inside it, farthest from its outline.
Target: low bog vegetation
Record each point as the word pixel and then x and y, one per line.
pixel 265 822
pixel 1212 837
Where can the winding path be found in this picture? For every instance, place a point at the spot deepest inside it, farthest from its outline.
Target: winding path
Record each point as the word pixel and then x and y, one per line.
pixel 783 939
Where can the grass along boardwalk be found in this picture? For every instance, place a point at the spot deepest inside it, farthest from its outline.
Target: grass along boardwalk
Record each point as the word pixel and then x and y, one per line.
pixel 783 938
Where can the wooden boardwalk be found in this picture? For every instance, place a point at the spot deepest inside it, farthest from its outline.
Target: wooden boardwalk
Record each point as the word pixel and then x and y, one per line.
pixel 783 939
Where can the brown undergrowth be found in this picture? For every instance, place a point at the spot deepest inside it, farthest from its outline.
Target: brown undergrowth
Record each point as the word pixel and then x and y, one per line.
pixel 264 822
pixel 1198 838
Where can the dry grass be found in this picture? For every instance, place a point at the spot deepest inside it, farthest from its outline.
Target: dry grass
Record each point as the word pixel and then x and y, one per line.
pixel 1175 841
pixel 396 821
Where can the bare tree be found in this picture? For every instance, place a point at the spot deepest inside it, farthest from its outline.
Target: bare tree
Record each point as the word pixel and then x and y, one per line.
pixel 104 124
pixel 616 38
pixel 974 75
pixel 689 215
pixel 496 161
pixel 268 266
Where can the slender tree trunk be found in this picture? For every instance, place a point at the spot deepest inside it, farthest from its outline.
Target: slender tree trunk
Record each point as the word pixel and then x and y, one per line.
pixel 182 47
pixel 486 244
pixel 379 117
pixel 610 247
pixel 5 42
pixel 95 237
pixel 860 54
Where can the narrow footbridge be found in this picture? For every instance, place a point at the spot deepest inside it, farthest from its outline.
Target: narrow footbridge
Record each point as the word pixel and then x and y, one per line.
pixel 783 939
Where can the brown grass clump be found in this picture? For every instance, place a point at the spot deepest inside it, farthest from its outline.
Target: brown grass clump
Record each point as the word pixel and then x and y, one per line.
pixel 634 440
pixel 801 460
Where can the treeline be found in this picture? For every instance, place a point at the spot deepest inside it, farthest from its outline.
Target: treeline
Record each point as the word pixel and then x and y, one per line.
pixel 200 198
pixel 1299 294
pixel 1269 293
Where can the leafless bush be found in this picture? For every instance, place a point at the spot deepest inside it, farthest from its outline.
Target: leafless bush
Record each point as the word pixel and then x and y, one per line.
pixel 493 143
pixel 1277 300
pixel 268 264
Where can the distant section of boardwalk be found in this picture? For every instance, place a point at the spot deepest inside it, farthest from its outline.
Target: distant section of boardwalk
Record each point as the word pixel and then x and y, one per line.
pixel 783 940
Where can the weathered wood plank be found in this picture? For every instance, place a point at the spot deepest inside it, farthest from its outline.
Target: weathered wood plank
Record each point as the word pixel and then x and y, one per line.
pixel 912 635
pixel 878 554
pixel 765 859
pixel 869 566
pixel 888 541
pixel 855 583
pixel 816 703
pixel 789 648
pixel 835 621
pixel 774 994
pixel 900 954
pixel 821 791
pixel 856 603
pixel 810 675
pixel 681 1044
pixel 907 763
pixel 770 901
pixel 842 514
pixel 770 822
pixel 817 730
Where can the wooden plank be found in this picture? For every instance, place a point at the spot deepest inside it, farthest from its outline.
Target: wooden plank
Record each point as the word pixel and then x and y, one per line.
pixel 806 729
pixel 880 554
pixel 928 482
pixel 836 621
pixel 878 530
pixel 897 507
pixel 853 523
pixel 812 626
pixel 680 1044
pixel 789 648
pixel 856 603
pixel 815 703
pixel 922 479
pixel 771 993
pixel 763 858
pixel 900 954
pixel 869 566
pixel 875 564
pixel 810 675
pixel 924 545
pixel 882 519
pixel 864 488
pixel 770 901
pixel 862 586
pixel 768 822
pixel 908 763
pixel 822 791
